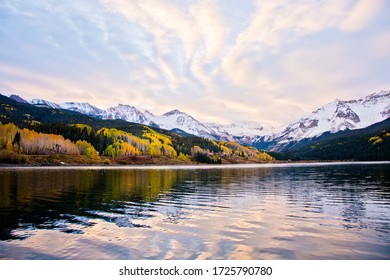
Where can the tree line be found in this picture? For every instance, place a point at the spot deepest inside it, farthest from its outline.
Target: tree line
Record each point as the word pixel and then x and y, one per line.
pixel 81 139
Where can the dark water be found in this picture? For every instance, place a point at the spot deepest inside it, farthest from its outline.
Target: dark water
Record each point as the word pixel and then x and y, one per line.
pixel 336 211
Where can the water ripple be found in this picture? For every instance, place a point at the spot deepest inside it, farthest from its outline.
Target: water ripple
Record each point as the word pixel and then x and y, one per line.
pixel 289 212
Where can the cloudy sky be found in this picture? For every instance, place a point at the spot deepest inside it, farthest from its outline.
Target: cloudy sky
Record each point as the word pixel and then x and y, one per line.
pixel 220 61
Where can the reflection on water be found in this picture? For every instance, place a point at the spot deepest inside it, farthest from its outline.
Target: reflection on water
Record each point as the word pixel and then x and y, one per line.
pixel 277 212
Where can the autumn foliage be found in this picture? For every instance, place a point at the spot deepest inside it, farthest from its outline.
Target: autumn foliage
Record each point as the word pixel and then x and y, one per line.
pixel 79 139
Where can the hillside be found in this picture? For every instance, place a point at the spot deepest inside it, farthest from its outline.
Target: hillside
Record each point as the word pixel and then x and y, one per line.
pixel 370 143
pixel 27 131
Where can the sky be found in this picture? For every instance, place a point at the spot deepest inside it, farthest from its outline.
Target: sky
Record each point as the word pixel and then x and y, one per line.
pixel 220 61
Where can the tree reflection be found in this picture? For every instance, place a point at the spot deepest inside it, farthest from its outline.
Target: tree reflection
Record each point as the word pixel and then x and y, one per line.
pixel 67 199
pixel 70 199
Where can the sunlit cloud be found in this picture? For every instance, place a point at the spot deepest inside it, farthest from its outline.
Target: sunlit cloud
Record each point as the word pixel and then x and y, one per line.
pixel 220 61
pixel 362 12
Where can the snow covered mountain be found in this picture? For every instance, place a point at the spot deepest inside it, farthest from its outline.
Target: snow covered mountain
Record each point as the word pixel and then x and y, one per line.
pixel 125 112
pixel 84 108
pixel 332 117
pixel 176 119
pixel 45 103
pixel 17 98
pixel 242 128
pixel 242 131
pixel 171 120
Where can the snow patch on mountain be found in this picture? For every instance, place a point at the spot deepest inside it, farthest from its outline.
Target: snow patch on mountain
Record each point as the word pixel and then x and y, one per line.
pixel 242 128
pixel 45 104
pixel 125 112
pixel 84 108
pixel 242 131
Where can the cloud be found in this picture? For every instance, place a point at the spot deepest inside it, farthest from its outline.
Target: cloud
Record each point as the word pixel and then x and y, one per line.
pixel 361 14
pixel 218 60
pixel 275 25
pixel 381 45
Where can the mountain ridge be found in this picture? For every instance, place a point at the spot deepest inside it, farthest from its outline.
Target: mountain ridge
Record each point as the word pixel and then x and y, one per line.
pixel 334 116
pixel 369 143
pixel 337 115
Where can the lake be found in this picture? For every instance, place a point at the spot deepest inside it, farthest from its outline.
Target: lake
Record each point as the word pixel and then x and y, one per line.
pixel 270 211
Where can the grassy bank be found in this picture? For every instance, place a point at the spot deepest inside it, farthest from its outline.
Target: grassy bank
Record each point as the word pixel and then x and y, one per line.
pixel 12 158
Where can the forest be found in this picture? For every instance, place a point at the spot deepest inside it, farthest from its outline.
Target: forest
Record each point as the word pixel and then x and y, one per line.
pixel 111 145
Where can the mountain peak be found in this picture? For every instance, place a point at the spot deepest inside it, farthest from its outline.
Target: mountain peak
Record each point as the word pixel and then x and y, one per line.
pixel 173 112
pixel 147 112
pixel 125 106
pixel 125 112
pixel 17 98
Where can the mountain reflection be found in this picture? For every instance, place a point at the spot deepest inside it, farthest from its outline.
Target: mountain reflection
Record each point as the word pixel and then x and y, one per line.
pixel 297 199
pixel 53 199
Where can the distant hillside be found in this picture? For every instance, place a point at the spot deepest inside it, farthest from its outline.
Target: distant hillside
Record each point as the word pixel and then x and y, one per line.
pixel 370 143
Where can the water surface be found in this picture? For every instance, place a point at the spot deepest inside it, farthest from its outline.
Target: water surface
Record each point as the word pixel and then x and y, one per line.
pixel 290 211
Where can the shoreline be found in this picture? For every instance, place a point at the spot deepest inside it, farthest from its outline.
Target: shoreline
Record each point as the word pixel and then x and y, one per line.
pixel 192 166
pixel 79 161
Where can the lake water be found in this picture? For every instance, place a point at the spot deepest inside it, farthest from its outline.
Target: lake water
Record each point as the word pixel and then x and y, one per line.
pixel 271 211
